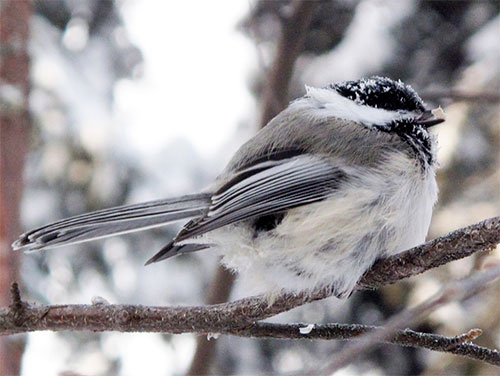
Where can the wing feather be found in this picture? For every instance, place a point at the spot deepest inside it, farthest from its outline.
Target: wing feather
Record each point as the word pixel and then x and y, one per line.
pixel 266 188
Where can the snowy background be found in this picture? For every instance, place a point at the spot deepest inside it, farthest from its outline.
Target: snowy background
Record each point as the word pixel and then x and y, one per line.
pixel 136 100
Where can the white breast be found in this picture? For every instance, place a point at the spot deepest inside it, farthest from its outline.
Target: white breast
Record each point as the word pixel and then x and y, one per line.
pixel 333 242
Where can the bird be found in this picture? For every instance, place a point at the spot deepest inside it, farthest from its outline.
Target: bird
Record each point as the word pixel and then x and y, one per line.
pixel 342 177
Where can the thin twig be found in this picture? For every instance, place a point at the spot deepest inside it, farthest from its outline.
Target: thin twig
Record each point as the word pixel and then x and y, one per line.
pixel 457 345
pixel 455 291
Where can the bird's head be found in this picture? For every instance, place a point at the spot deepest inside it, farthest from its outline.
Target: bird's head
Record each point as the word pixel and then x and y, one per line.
pixel 382 104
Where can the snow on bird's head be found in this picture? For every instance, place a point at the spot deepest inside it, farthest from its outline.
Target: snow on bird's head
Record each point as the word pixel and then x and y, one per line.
pixel 369 101
pixel 381 92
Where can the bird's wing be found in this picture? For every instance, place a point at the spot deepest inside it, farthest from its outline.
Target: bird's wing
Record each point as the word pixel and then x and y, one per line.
pixel 268 187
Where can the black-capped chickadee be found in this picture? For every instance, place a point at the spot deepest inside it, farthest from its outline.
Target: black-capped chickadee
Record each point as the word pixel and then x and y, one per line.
pixel 341 177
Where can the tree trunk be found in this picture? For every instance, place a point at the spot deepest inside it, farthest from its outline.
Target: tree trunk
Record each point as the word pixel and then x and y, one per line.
pixel 14 140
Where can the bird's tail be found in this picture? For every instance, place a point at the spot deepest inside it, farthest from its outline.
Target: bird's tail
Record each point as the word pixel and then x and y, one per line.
pixel 113 221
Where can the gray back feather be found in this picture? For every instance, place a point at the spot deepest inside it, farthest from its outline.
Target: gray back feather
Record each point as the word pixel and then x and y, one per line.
pixel 332 137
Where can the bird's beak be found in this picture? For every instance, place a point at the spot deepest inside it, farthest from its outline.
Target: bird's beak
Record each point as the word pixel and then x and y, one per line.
pixel 431 117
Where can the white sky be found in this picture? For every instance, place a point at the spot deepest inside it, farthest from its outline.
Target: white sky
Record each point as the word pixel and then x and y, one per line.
pixel 195 67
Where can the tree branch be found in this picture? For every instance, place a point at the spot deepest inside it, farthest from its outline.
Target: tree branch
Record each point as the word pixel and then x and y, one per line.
pixel 457 345
pixel 482 236
pixel 290 45
pixel 457 290
pixel 241 313
pixel 240 317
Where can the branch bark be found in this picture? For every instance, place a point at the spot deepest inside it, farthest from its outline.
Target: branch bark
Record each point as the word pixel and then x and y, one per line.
pixel 454 291
pixel 482 236
pixel 218 318
pixel 458 345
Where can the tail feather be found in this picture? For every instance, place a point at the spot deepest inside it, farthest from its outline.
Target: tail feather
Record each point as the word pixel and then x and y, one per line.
pixel 113 221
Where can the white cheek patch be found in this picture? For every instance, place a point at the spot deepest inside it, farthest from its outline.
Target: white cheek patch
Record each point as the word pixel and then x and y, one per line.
pixel 334 104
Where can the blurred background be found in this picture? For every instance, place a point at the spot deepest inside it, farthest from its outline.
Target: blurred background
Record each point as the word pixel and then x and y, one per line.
pixel 125 101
